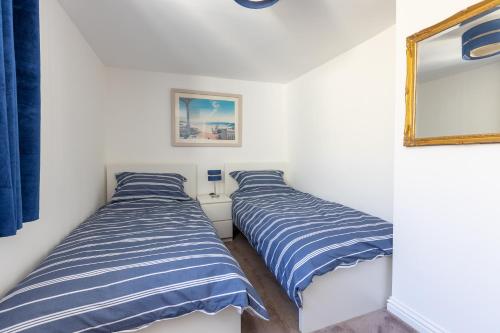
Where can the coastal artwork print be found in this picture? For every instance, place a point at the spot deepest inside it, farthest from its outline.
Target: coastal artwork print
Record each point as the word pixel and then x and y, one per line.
pixel 205 119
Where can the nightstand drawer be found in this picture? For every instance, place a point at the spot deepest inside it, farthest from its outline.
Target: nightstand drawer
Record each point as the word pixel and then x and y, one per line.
pixel 224 228
pixel 218 211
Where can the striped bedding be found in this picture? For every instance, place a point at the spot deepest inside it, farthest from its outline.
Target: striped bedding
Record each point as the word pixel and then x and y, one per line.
pixel 128 265
pixel 258 178
pixel 299 235
pixel 143 185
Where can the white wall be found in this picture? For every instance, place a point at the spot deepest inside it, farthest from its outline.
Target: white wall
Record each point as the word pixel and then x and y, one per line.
pixel 462 103
pixel 341 127
pixel 72 162
pixel 138 121
pixel 446 212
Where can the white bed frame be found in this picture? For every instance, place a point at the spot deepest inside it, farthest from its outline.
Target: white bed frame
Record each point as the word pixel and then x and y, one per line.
pixel 339 295
pixel 226 321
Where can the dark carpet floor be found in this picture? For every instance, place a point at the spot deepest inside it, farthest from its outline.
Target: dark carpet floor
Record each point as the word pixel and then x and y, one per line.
pixel 284 315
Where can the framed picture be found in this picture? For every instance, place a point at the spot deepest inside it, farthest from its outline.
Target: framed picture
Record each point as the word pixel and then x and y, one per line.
pixel 202 118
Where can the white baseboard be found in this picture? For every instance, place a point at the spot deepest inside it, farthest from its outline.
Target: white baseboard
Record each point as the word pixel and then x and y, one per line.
pixel 413 318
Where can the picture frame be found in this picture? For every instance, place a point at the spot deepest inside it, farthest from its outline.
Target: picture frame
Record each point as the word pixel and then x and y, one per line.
pixel 206 119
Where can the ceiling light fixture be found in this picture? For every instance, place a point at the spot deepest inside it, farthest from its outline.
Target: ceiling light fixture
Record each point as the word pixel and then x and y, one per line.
pixel 256 4
pixel 481 41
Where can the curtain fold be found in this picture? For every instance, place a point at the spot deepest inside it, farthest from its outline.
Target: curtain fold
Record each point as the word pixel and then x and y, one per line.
pixel 19 114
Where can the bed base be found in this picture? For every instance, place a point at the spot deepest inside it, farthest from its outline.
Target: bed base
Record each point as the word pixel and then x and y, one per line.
pixel 345 293
pixel 226 321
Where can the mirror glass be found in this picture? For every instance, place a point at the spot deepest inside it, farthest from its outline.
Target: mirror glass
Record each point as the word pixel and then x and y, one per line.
pixel 458 79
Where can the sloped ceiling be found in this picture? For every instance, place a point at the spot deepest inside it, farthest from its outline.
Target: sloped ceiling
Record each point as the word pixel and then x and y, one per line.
pixel 222 39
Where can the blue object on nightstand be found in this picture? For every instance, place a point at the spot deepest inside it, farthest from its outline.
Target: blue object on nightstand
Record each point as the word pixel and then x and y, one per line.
pixel 214 176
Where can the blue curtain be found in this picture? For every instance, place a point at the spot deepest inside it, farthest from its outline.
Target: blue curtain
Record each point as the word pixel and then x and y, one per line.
pixel 19 114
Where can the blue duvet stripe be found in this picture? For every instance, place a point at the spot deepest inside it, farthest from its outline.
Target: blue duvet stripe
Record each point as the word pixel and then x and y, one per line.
pixel 130 264
pixel 300 236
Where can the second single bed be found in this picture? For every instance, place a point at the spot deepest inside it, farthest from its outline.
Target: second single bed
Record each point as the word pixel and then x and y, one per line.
pixel 302 237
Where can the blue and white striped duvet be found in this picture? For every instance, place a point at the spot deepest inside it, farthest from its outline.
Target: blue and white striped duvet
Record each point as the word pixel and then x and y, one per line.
pixel 130 264
pixel 300 236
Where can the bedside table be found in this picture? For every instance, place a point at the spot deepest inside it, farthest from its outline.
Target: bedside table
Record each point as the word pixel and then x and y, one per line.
pixel 218 211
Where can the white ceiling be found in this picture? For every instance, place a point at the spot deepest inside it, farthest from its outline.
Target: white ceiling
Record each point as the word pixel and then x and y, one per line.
pixel 222 39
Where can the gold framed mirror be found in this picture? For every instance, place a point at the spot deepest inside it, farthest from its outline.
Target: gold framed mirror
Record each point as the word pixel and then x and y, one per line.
pixel 453 79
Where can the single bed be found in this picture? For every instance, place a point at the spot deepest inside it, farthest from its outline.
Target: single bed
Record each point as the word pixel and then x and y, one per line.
pixel 334 262
pixel 132 265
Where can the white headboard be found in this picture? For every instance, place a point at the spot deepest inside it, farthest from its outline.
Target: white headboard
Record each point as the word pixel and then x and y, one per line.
pixel 187 170
pixel 230 185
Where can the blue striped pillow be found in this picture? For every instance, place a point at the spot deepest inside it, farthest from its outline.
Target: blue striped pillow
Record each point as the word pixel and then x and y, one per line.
pixel 262 178
pixel 134 185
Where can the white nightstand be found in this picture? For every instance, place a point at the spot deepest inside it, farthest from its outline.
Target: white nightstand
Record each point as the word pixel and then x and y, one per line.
pixel 218 211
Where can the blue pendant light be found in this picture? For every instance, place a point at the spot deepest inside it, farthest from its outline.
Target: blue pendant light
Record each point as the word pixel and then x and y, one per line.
pixel 256 4
pixel 481 41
